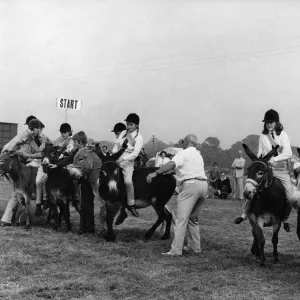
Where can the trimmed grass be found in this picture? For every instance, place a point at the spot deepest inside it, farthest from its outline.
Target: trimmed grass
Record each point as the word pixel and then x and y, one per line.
pixel 41 264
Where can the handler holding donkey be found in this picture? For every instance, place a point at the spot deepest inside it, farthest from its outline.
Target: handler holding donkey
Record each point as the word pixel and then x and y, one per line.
pixel 189 167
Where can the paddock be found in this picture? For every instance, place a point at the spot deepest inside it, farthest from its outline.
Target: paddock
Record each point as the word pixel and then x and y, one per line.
pixel 42 264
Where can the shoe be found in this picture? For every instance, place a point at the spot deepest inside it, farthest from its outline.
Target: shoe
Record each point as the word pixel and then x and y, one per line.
pixel 239 220
pixel 133 211
pixel 171 254
pixel 286 227
pixel 187 249
pixel 4 224
pixel 38 210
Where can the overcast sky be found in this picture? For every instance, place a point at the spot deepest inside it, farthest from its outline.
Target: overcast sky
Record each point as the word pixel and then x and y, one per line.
pixel 206 67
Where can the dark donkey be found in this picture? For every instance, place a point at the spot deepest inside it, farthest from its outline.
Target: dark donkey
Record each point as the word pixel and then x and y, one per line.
pixel 112 190
pixel 267 203
pixel 22 179
pixel 60 188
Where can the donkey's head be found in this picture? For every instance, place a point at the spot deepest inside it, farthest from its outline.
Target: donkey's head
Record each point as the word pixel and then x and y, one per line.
pixel 86 164
pixel 260 174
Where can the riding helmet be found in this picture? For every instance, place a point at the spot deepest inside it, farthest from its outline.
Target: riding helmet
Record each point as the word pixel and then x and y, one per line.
pixel 65 127
pixel 29 119
pixel 34 123
pixel 119 127
pixel 133 118
pixel 271 116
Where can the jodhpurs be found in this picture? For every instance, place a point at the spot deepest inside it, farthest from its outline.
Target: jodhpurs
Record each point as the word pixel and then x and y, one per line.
pixel 127 170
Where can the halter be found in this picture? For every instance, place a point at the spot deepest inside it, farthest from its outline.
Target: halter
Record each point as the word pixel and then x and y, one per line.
pixel 255 183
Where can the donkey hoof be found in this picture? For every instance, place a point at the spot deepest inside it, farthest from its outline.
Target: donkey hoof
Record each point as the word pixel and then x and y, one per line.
pixel 109 237
pixel 275 260
pixel 148 235
pixel 238 220
pixel 27 227
pixel 165 237
pixel 262 264
pixel 54 229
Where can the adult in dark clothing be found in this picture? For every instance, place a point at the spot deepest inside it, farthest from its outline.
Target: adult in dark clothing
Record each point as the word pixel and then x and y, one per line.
pixel 87 223
pixel 223 187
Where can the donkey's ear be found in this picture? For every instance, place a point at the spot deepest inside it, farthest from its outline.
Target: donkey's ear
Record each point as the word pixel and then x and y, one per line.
pixel 251 155
pixel 271 153
pixel 298 150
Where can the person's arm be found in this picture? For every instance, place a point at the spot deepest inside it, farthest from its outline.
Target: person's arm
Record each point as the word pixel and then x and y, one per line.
pixel 286 151
pixel 260 147
pixel 233 164
pixel 240 163
pixel 136 150
pixel 67 160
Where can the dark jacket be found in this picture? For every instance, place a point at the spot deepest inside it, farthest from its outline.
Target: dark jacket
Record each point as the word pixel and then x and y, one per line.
pixel 67 160
pixel 224 186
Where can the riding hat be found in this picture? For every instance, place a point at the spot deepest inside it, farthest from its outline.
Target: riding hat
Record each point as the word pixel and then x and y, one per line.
pixel 133 118
pixel 65 127
pixel 271 116
pixel 119 127
pixel 34 123
pixel 80 137
pixel 29 119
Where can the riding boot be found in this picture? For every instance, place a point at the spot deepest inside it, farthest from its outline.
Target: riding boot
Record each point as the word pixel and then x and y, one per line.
pixel 133 210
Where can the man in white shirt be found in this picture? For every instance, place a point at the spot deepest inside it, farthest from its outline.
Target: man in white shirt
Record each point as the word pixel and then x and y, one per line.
pixel 238 175
pixel 189 167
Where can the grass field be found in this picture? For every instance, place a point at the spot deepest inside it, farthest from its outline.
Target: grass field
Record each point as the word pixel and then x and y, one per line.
pixel 41 264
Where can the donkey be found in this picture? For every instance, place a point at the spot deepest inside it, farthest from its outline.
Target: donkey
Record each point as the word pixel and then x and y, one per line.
pixel 22 179
pixel 112 190
pixel 60 188
pixel 267 202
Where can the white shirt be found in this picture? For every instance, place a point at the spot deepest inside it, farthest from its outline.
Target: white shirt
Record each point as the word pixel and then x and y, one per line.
pixel 189 164
pixel 284 150
pixel 161 161
pixel 132 151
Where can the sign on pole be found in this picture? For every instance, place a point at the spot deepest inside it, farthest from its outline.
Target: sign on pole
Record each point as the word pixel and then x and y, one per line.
pixel 68 103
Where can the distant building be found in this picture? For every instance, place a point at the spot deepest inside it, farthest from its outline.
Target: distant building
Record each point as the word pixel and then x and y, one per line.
pixel 7 132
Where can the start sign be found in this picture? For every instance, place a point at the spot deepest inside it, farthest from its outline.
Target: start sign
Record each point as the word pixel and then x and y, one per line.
pixel 68 103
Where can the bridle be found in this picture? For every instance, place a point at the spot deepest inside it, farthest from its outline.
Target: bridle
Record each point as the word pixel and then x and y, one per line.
pixel 256 184
pixel 119 169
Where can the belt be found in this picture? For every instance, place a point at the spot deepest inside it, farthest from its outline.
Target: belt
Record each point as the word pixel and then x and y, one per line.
pixel 193 178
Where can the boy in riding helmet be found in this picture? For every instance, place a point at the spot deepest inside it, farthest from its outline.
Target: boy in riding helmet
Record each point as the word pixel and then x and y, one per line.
pixel 65 141
pixel 271 136
pixel 22 144
pixel 126 161
pixel 38 146
pixel 118 128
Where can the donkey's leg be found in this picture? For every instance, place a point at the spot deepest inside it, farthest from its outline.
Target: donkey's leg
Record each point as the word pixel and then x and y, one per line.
pixel 111 211
pixel 168 220
pixel 102 214
pixel 27 210
pixel 122 216
pixel 61 212
pixel 254 248
pixel 161 218
pixel 260 240
pixel 66 213
pixel 276 228
pixel 298 223
pixel 55 217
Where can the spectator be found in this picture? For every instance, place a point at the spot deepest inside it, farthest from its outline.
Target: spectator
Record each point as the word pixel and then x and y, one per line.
pixel 223 187
pixel 238 175
pixel 162 159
